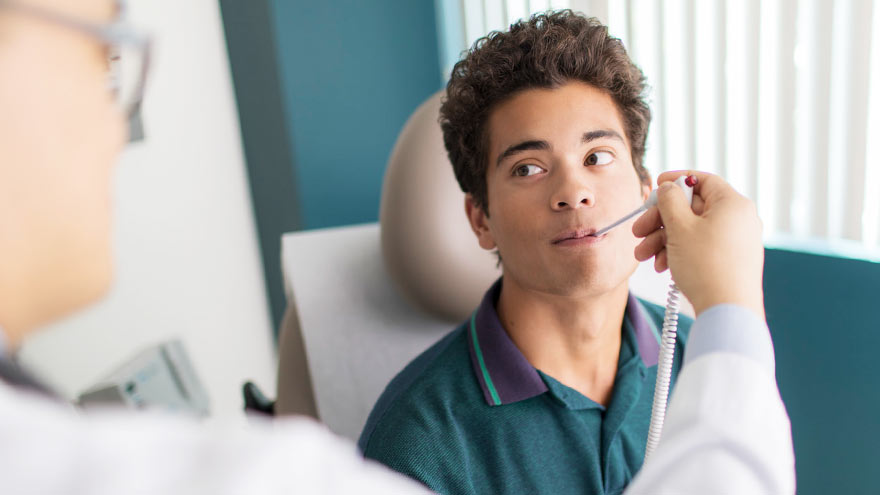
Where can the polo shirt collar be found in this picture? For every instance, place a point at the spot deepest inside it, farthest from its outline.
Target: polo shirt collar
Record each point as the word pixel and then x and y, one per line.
pixel 504 374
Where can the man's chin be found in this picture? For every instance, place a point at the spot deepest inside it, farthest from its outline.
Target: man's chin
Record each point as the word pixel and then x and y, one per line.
pixel 597 276
pixel 585 288
pixel 579 281
pixel 93 285
pixel 70 301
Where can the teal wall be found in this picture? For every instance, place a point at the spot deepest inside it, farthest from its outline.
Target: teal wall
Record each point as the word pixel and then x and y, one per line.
pixel 323 89
pixel 822 312
pixel 450 34
pixel 352 72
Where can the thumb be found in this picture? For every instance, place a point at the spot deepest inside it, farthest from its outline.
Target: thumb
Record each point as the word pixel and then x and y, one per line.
pixel 674 209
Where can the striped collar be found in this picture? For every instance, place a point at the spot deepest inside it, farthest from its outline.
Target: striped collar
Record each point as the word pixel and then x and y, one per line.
pixel 503 372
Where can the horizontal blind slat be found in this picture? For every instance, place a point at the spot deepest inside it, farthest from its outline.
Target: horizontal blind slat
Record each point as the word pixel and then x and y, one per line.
pixel 859 43
pixel 708 91
pixel 871 213
pixel 785 112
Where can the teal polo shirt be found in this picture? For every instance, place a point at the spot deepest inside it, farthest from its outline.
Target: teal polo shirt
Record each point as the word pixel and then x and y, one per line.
pixel 471 415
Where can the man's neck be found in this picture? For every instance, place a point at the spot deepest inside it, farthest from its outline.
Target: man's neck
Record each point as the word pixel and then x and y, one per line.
pixel 4 343
pixel 574 339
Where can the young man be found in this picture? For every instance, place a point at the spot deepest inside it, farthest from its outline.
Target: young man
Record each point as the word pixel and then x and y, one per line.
pixel 548 387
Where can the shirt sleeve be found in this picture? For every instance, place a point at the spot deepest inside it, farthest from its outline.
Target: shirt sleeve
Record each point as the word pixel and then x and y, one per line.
pixel 46 449
pixel 433 458
pixel 726 428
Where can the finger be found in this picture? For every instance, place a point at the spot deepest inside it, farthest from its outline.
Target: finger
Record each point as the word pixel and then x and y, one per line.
pixel 698 205
pixel 674 208
pixel 672 175
pixel 647 223
pixel 709 187
pixel 661 261
pixel 651 245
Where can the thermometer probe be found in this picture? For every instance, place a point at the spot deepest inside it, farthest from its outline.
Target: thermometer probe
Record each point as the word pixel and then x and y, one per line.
pixel 685 183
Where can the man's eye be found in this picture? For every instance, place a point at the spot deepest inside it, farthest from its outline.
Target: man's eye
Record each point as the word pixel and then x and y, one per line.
pixel 600 158
pixel 526 170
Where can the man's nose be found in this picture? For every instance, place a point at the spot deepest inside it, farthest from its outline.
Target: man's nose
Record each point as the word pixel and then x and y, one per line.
pixel 572 191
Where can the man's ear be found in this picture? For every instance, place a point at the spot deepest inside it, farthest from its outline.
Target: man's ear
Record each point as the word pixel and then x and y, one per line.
pixel 477 218
pixel 646 189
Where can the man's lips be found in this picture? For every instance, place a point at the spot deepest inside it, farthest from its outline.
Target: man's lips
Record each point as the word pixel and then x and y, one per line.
pixel 575 235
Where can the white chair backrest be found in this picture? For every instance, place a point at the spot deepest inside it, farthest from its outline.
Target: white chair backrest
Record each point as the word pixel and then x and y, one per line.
pixel 429 248
pixel 357 329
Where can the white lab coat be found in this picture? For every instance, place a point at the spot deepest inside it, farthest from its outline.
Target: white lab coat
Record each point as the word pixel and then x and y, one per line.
pixel 726 429
pixel 45 448
pixel 726 432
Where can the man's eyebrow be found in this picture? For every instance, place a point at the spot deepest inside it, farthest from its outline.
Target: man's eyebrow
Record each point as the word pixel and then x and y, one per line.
pixel 601 133
pixel 523 146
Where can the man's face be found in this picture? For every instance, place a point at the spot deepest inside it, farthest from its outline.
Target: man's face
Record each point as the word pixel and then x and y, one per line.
pixel 60 133
pixel 559 168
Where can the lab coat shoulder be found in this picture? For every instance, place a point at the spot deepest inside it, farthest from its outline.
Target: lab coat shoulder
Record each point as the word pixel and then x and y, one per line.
pixel 48 449
pixel 726 428
pixel 715 443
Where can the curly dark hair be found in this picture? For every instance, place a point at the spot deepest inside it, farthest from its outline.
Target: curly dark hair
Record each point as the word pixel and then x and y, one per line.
pixel 545 51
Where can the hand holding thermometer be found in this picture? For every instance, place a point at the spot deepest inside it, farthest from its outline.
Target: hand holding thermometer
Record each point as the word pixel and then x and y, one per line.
pixel 686 183
pixel 670 326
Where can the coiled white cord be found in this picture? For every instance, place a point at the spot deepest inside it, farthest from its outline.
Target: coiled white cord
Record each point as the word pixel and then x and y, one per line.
pixel 664 368
pixel 670 325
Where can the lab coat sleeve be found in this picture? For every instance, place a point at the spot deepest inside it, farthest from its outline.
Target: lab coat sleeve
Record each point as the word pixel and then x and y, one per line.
pixel 47 449
pixel 726 428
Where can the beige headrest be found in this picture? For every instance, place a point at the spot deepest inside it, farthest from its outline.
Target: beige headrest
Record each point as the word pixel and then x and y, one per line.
pixel 429 249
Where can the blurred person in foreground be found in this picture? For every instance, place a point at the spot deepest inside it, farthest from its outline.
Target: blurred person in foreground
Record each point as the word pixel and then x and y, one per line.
pixel 61 131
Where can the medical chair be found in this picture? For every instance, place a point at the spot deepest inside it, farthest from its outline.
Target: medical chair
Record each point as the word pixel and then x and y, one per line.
pixel 364 300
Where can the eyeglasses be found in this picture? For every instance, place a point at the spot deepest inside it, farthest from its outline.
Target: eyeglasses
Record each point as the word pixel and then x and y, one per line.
pixel 128 51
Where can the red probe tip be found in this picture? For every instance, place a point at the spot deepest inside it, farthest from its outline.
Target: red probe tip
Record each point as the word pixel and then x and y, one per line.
pixel 691 180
